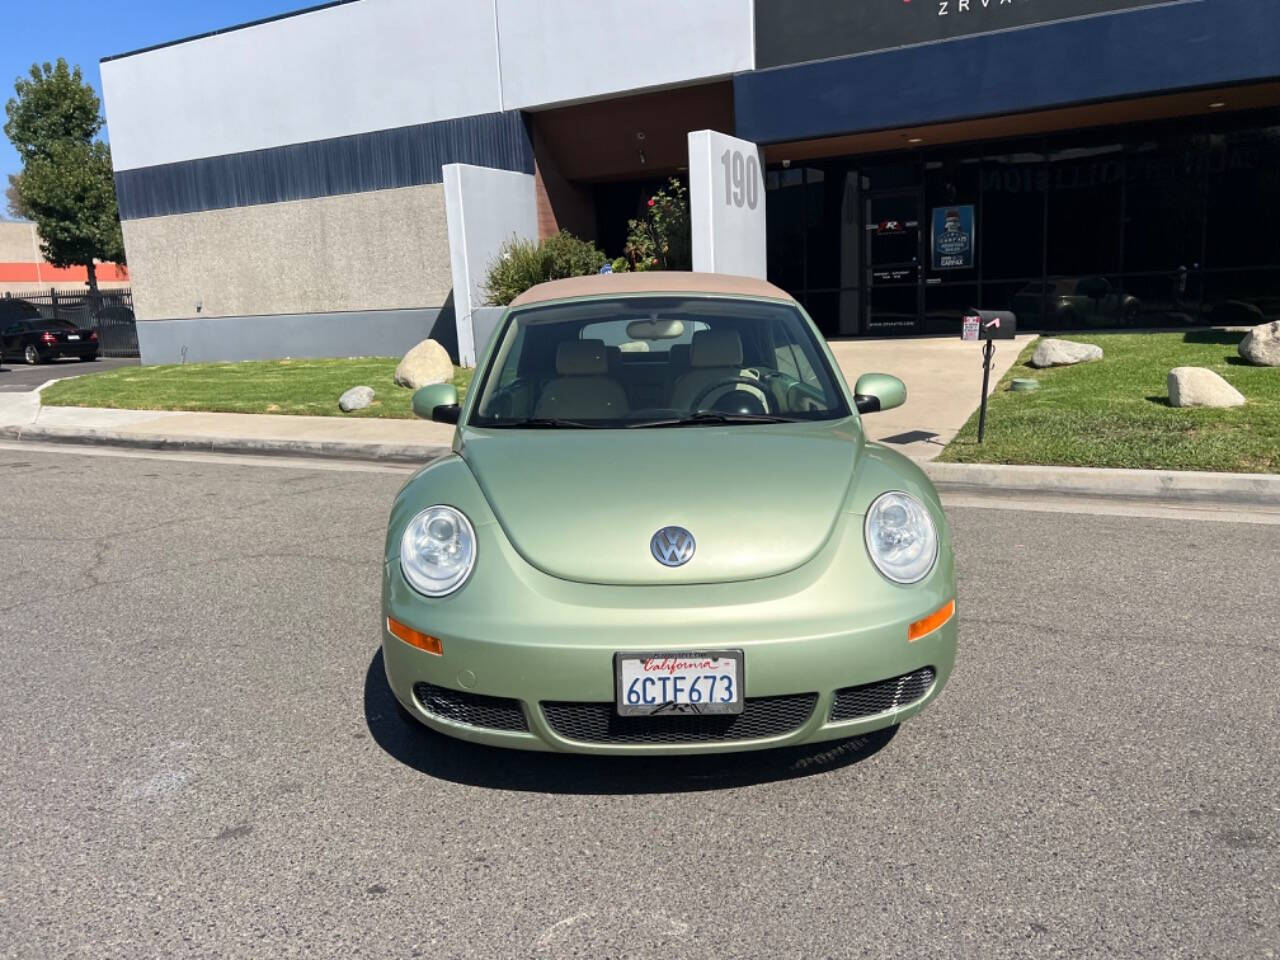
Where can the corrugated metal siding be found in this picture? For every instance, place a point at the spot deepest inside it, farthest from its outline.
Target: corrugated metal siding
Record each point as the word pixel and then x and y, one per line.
pixel 382 160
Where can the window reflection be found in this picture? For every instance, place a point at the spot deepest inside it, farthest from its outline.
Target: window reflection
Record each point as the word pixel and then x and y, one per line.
pixel 1152 225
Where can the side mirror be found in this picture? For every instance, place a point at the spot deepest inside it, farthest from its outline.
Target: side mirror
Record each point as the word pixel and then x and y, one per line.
pixel 438 402
pixel 878 391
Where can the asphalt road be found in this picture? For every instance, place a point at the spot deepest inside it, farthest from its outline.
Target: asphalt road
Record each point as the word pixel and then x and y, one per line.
pixel 200 757
pixel 18 376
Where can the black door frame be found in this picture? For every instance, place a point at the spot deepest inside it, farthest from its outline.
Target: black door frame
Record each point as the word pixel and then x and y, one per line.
pixel 917 194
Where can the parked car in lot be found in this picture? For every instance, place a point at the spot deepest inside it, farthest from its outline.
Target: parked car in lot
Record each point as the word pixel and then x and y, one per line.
pixel 686 547
pixel 1072 303
pixel 35 340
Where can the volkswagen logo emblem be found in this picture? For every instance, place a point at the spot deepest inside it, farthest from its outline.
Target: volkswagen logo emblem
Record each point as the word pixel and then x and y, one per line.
pixel 672 546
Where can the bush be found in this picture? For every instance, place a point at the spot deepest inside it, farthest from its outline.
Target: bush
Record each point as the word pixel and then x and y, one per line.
pixel 572 257
pixel 663 239
pixel 522 264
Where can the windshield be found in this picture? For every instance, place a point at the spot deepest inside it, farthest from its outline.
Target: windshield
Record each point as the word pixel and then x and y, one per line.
pixel 657 361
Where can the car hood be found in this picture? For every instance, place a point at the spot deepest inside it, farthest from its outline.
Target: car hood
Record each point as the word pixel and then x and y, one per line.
pixel 584 504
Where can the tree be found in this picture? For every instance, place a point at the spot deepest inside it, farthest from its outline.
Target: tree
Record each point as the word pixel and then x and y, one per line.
pixel 13 199
pixel 66 185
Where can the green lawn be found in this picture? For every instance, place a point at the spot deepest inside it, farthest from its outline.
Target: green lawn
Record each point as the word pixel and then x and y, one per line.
pixel 1115 412
pixel 309 387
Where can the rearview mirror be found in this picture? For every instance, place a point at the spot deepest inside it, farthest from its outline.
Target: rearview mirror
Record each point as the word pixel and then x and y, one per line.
pixel 438 402
pixel 878 391
pixel 654 329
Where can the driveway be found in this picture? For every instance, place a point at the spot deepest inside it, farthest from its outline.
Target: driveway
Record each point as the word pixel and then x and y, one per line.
pixel 16 376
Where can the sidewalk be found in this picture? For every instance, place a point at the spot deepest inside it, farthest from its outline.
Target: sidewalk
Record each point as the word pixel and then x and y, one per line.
pixel 943 377
pixel 944 385
pixel 417 442
pixel 412 441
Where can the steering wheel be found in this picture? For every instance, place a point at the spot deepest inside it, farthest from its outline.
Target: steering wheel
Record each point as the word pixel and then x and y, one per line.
pixel 501 402
pixel 729 381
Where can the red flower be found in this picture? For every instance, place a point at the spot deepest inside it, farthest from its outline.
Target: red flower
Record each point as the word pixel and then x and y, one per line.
pixel 651 201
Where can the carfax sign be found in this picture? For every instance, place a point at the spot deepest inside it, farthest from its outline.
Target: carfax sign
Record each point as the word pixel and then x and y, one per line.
pixel 952 238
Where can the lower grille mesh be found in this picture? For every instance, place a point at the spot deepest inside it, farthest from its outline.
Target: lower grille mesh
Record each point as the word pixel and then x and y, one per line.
pixel 872 698
pixel 473 709
pixel 761 717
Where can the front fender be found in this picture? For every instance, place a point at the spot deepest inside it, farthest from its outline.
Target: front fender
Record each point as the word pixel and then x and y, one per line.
pixel 447 481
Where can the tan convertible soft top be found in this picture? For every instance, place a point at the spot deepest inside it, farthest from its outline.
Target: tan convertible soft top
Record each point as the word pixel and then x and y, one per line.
pixel 654 281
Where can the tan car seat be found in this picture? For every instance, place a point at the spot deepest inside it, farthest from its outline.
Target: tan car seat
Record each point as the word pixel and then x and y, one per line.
pixel 715 356
pixel 582 390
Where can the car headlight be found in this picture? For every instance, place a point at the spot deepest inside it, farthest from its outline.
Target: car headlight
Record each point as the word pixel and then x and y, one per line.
pixel 437 551
pixel 901 537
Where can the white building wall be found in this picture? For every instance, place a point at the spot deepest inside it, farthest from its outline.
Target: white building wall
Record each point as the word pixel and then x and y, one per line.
pixel 355 68
pixel 726 205
pixel 485 209
pixel 555 51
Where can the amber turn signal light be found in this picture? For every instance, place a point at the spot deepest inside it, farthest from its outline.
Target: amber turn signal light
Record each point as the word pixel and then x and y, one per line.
pixel 415 639
pixel 932 622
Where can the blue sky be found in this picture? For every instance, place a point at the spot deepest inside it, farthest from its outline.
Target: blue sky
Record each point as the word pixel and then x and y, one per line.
pixel 84 32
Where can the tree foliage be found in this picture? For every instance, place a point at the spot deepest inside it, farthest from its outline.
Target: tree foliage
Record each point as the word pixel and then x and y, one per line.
pixel 66 185
pixel 13 199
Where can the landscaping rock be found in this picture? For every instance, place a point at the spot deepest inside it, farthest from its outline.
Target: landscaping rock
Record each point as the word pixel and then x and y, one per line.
pixel 1261 345
pixel 1198 387
pixel 425 364
pixel 357 398
pixel 1063 353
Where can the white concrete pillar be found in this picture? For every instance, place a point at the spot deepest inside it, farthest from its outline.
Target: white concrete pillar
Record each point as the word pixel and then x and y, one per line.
pixel 726 204
pixel 485 208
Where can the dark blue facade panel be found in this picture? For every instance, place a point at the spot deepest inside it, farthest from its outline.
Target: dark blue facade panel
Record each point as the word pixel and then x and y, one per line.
pixel 1140 52
pixel 382 160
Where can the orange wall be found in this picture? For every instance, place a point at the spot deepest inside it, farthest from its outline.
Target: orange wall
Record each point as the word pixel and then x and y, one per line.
pixel 40 274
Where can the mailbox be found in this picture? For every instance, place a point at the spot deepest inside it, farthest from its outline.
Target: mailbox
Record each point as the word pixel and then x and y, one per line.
pixel 989 325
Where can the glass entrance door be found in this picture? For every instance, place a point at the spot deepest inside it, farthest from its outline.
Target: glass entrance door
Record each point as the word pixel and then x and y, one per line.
pixel 894 227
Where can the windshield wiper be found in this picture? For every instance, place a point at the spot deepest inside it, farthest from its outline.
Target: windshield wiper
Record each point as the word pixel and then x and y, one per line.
pixel 546 423
pixel 709 418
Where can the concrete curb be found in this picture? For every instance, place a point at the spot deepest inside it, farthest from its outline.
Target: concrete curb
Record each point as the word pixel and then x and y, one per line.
pixel 979 478
pixel 332 449
pixel 1170 485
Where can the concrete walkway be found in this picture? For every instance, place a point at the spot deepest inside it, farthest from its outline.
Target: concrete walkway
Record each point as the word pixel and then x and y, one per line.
pixel 944 385
pixel 22 416
pixel 943 377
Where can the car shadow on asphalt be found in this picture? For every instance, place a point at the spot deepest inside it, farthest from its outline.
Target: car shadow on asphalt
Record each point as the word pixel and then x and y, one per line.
pixel 475 765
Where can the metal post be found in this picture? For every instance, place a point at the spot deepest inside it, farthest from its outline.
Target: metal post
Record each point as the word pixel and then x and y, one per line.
pixel 988 348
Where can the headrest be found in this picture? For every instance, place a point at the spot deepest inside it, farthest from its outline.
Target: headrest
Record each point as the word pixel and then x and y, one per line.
pixel 678 356
pixel 581 358
pixel 716 348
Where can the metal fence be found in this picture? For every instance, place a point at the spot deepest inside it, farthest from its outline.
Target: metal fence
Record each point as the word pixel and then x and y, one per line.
pixel 110 313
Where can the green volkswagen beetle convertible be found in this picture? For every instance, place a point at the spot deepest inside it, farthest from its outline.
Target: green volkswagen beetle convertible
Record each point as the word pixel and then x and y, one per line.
pixel 662 530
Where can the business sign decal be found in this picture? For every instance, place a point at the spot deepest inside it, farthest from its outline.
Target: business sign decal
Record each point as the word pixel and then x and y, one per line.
pixel 795 31
pixel 952 238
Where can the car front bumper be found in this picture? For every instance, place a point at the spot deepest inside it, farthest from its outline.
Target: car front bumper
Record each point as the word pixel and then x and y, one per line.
pixel 528 660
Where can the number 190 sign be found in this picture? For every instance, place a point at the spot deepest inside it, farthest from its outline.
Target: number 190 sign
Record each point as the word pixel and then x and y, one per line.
pixel 741 179
pixel 726 204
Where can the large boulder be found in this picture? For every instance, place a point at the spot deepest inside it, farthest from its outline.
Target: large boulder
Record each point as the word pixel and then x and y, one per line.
pixel 425 364
pixel 1063 353
pixel 357 398
pixel 1261 345
pixel 1198 387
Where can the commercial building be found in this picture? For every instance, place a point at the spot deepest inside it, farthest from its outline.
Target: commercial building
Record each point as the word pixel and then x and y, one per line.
pixel 23 269
pixel 333 181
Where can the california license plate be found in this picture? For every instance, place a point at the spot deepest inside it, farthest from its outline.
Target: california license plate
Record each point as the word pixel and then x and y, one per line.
pixel 672 683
